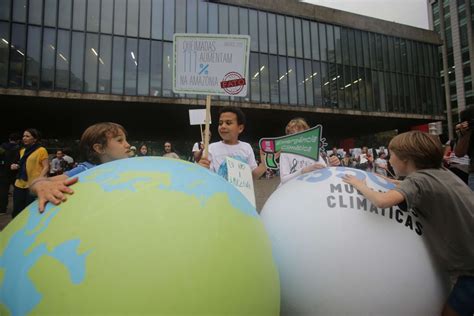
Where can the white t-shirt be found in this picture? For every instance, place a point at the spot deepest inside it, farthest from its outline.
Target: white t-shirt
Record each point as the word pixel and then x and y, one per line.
pixel 218 152
pixel 196 146
pixel 291 165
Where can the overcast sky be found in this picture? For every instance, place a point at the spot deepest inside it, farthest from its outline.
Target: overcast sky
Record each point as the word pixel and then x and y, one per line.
pixel 411 12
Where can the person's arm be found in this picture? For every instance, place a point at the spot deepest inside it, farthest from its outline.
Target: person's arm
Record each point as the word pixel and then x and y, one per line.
pixel 379 199
pixel 51 190
pixel 334 161
pixel 462 146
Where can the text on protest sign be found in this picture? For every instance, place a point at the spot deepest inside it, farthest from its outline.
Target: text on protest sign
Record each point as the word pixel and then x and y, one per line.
pixel 239 175
pixel 211 64
pixel 306 144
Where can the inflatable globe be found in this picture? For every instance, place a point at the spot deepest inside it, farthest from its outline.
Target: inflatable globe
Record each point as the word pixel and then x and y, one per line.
pixel 339 255
pixel 141 236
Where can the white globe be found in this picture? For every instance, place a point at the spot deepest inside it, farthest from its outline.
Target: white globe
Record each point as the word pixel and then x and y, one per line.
pixel 339 255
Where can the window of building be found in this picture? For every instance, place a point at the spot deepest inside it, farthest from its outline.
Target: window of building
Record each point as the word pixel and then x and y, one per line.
pixel 233 20
pixel 264 79
pixel 64 15
pixel 293 91
pixel 168 19
pixel 50 7
pixel 156 68
pixel 77 61
pixel 105 64
pixel 254 78
pixel 322 43
pixel 5 9
pixel 404 56
pixel 167 69
pixel 381 93
pixel 35 12
pixel 131 65
pixel 132 17
pixel 290 36
pixel 379 52
pixel 62 60
pixel 79 14
pixel 306 40
pixel 325 85
pixel 398 53
pixel 355 88
pixel 93 11
pixel 202 16
pixel 143 67
pixel 298 38
pixel 352 47
pixel 308 82
pixel 223 19
pixel 315 41
pixel 330 41
pixel 262 31
pixel 359 50
pixel 19 10
pixel 338 46
pixel 393 82
pixel 244 21
pixel 157 19
pixel 272 34
pixel 347 87
pixel 366 48
pixel 91 58
pixel 300 83
pixel 340 87
pixel 191 16
pixel 48 57
pixel 33 54
pixel 391 54
pixel 145 17
pixel 253 20
pixel 345 47
pixel 318 100
pixel 369 91
pixel 274 81
pixel 385 53
pixel 118 64
pixel 283 79
pixel 281 35
pixel 372 50
pixel 106 16
pixel 4 48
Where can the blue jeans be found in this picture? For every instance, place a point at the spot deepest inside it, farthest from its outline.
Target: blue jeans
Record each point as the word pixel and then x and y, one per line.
pixel 471 181
pixel 461 298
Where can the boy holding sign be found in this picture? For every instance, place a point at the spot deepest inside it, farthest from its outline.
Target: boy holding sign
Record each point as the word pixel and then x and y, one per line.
pixel 231 124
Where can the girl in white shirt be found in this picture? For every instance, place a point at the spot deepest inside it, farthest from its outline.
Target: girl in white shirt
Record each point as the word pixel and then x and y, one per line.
pixel 292 165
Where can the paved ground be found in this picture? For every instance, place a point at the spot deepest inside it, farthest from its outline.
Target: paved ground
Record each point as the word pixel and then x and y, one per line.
pixel 263 189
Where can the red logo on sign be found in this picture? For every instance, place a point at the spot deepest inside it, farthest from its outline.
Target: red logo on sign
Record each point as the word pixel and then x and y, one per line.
pixel 233 83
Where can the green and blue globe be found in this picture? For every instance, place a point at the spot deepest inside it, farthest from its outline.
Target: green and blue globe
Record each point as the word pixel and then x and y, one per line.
pixel 140 236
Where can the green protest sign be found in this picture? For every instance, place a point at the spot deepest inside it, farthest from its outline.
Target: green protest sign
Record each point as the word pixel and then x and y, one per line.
pixel 306 144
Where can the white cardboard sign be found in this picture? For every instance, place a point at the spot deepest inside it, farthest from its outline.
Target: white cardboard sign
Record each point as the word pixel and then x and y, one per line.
pixel 211 64
pixel 239 175
pixel 197 117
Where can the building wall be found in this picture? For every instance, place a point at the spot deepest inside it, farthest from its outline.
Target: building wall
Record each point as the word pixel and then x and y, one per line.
pixel 298 60
pixel 457 18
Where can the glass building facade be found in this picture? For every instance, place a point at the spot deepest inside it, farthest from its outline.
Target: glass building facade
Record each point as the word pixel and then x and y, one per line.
pixel 454 19
pixel 124 47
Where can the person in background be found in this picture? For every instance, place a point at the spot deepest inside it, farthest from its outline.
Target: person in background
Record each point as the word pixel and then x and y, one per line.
pixel 465 143
pixel 133 151
pixel 380 164
pixel 58 164
pixel 33 164
pixel 169 152
pixel 9 154
pixel 347 160
pixel 198 148
pixel 143 151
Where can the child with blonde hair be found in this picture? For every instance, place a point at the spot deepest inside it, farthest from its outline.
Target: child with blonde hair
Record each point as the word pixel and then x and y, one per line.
pixel 292 165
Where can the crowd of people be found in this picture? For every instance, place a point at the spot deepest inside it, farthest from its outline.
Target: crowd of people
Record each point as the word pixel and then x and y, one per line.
pixel 416 158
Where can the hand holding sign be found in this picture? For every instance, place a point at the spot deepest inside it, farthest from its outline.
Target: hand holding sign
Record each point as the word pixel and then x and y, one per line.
pixel 306 144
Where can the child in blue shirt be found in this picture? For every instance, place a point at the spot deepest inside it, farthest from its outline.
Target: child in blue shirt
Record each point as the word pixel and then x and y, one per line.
pixel 100 143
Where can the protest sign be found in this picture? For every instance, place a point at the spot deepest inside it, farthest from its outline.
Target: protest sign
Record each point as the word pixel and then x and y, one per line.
pixel 239 174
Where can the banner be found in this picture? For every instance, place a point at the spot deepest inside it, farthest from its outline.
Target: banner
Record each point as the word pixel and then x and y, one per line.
pixel 306 144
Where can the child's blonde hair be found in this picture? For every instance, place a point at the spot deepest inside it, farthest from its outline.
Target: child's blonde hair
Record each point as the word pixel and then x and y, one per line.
pixel 298 122
pixel 425 150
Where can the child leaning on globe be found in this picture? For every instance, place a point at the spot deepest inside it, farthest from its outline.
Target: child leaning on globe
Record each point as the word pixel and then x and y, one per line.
pixel 443 200
pixel 100 143
pixel 231 124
